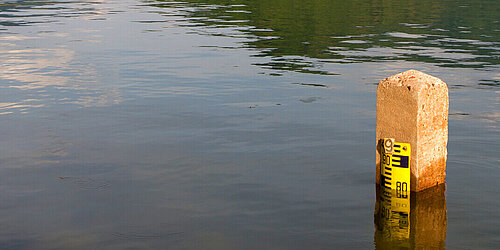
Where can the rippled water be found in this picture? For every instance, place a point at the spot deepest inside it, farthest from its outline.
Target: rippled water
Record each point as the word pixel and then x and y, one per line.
pixel 234 124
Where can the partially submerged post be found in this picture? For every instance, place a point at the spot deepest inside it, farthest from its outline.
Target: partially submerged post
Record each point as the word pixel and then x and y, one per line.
pixel 412 107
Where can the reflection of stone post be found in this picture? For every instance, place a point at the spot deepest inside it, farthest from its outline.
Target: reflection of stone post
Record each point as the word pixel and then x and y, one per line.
pixel 428 218
pixel 422 226
pixel 412 107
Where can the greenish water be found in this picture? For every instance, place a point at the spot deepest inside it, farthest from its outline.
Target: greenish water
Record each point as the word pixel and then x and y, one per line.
pixel 236 124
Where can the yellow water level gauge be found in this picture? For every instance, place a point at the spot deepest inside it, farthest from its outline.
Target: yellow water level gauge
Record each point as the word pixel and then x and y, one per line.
pixel 395 166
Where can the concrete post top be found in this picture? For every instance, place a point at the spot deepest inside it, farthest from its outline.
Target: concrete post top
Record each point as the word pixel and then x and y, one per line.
pixel 413 80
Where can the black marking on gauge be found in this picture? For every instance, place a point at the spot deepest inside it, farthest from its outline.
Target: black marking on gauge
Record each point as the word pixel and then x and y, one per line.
pixel 388 168
pixel 397 145
pixel 403 161
pixel 397 150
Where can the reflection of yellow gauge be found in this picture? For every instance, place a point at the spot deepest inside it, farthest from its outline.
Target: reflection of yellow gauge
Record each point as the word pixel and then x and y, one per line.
pixel 395 214
pixel 395 166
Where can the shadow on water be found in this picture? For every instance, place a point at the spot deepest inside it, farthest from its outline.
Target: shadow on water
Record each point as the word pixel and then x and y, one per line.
pixel 410 221
pixel 309 36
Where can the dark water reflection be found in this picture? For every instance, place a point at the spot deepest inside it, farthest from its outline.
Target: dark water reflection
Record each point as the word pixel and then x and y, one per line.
pixel 306 36
pixel 233 124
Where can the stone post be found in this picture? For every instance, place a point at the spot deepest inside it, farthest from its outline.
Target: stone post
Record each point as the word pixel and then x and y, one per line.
pixel 412 107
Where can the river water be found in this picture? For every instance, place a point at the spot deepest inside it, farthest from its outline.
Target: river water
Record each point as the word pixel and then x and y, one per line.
pixel 143 124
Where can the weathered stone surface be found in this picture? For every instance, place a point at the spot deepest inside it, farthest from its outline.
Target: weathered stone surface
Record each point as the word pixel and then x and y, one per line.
pixel 412 107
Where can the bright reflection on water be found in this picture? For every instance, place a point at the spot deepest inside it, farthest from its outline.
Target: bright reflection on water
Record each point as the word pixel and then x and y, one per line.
pixel 234 124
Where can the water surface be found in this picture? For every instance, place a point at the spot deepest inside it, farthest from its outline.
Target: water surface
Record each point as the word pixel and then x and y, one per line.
pixel 232 124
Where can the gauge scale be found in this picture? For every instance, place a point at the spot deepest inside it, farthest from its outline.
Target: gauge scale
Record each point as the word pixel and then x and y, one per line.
pixel 395 199
pixel 395 165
